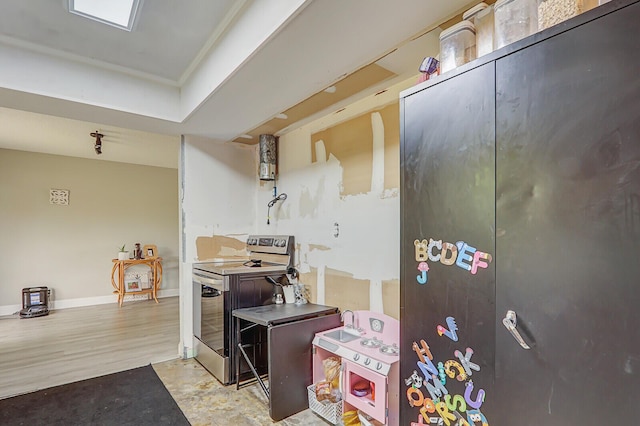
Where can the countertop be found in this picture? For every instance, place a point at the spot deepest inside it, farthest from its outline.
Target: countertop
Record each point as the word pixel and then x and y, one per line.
pixel 275 314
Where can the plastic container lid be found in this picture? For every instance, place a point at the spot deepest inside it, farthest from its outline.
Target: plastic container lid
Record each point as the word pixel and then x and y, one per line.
pixel 464 25
pixel 475 9
pixel 501 3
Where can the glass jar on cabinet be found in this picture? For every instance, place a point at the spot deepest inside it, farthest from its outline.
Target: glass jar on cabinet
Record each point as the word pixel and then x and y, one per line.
pixel 481 16
pixel 514 20
pixel 457 46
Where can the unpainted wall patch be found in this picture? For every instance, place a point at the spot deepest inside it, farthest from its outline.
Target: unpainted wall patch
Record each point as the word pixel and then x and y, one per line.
pixel 219 246
pixel 346 292
pixel 391 298
pixel 310 281
pixel 318 247
pixel 351 142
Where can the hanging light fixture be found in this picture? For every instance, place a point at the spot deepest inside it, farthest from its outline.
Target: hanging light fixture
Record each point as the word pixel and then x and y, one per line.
pixel 98 143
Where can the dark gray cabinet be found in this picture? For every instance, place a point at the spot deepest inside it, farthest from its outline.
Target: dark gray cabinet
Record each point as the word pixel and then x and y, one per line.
pixel 521 192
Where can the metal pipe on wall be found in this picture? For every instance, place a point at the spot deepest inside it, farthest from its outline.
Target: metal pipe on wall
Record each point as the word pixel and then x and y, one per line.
pixel 268 156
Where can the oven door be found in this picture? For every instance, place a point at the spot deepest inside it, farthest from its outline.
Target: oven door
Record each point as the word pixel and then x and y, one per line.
pixel 212 328
pixel 373 400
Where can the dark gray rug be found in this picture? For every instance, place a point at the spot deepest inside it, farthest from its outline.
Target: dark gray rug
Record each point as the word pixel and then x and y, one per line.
pixel 132 397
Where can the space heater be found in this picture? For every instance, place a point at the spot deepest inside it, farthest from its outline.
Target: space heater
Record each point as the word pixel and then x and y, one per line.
pixel 35 302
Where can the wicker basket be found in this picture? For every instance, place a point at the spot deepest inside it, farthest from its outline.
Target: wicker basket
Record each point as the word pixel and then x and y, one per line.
pixel 330 411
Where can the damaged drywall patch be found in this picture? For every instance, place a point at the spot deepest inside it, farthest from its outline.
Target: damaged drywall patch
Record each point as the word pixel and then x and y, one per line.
pixel 219 246
pixel 341 289
pixel 362 146
pixel 309 203
pixel 391 298
pixel 309 280
pixel 321 152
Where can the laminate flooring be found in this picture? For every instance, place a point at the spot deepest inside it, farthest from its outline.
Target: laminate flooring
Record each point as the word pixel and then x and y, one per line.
pixel 80 343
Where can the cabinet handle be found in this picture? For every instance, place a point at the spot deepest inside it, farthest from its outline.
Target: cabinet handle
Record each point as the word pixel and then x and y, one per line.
pixel 510 321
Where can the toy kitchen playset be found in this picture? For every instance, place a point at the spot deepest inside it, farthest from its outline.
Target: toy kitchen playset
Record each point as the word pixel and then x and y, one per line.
pixel 366 351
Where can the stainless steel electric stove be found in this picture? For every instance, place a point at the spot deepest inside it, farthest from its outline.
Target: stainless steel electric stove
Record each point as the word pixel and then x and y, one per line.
pixel 222 286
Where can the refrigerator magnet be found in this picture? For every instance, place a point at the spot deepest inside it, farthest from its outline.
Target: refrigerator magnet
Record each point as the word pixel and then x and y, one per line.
pixel 423 267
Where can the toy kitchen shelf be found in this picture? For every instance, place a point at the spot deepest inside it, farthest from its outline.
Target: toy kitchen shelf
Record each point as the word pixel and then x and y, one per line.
pixel 369 353
pixel 154 264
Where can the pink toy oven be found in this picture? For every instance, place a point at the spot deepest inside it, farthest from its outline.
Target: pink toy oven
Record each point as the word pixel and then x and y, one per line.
pixel 369 350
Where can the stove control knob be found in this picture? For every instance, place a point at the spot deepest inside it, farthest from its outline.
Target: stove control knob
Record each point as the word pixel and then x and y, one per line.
pixel 378 366
pixel 367 361
pixel 356 357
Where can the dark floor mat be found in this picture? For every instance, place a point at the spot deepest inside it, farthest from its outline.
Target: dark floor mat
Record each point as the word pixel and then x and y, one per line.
pixel 132 397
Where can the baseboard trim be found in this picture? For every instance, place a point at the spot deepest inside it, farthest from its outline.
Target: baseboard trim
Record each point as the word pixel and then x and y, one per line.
pixel 89 301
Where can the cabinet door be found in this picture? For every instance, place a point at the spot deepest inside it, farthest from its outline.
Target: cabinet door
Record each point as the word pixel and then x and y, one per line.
pixel 568 226
pixel 448 196
pixel 248 291
pixel 290 359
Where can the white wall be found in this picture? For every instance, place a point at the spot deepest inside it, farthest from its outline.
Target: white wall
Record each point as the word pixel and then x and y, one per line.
pixel 69 248
pixel 367 248
pixel 218 198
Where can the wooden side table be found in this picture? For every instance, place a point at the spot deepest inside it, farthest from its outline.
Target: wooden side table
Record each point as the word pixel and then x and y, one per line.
pixel 154 264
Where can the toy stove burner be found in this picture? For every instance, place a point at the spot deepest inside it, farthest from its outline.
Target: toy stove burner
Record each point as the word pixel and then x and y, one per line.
pixel 371 343
pixel 390 349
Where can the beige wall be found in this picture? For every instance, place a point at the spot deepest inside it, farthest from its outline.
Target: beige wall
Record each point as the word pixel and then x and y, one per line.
pixel 69 248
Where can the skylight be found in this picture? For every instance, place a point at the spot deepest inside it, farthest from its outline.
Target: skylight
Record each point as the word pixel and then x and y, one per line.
pixel 117 13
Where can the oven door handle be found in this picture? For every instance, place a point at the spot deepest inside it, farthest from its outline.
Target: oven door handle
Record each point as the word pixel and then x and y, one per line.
pixel 218 284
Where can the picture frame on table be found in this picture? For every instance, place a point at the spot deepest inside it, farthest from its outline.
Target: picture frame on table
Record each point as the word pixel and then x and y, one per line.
pixel 150 251
pixel 133 284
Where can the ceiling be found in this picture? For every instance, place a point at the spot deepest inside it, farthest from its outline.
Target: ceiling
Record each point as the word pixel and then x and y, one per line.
pixel 218 69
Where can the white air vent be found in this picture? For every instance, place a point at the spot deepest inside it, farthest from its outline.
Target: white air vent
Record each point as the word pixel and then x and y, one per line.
pixel 59 197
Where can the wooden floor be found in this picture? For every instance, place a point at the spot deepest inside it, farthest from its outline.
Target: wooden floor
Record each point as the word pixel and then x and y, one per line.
pixel 80 343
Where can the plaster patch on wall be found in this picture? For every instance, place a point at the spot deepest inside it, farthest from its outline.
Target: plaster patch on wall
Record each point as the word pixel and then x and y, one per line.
pixel 391 193
pixel 362 219
pixel 377 173
pixel 309 279
pixel 281 211
pixel 321 152
pixel 375 296
pixel 352 143
pixel 306 206
pixel 219 246
pixel 308 202
pixel 320 285
pixel 318 247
